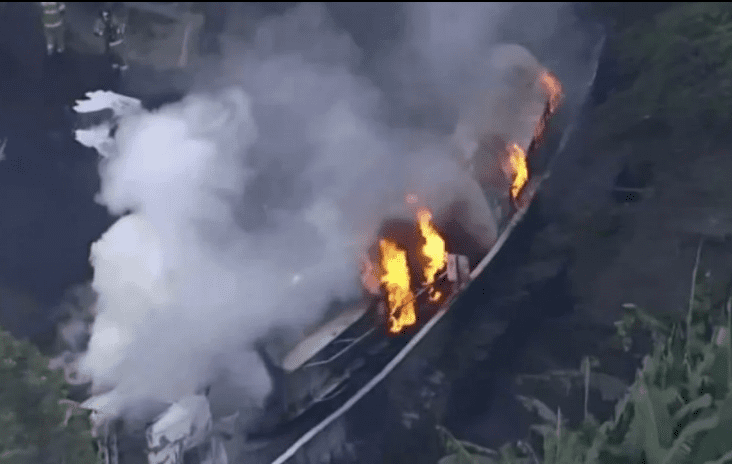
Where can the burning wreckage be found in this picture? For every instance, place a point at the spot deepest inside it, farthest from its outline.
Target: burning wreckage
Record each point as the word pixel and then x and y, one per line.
pixel 411 276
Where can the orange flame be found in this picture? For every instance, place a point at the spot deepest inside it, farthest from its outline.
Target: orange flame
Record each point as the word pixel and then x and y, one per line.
pixel 433 250
pixel 553 88
pixel 395 279
pixel 519 169
pixel 554 95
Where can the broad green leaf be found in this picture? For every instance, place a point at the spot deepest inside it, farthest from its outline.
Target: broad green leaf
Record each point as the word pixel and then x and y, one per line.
pixel 510 456
pixel 717 371
pixel 719 440
pixel 631 446
pixel 535 405
pixel 453 444
pixel 543 429
pixel 725 459
pixel 460 459
pixel 598 443
pixel 698 374
pixel 611 388
pixel 681 449
pixel 648 321
pixel 703 402
pixel 654 415
pixel 472 448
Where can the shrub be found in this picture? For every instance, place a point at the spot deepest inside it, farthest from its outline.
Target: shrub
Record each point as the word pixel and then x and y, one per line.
pixel 678 410
pixel 674 67
pixel 34 428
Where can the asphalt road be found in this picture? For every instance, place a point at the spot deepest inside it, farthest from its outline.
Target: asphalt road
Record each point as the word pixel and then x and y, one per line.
pixel 47 185
pixel 47 180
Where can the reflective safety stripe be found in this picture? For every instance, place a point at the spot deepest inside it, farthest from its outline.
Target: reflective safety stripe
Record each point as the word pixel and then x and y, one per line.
pixel 52 16
pixel 52 8
pixel 116 42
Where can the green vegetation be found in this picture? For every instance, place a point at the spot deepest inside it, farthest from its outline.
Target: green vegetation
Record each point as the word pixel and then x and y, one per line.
pixel 34 426
pixel 674 65
pixel 678 409
pixel 674 78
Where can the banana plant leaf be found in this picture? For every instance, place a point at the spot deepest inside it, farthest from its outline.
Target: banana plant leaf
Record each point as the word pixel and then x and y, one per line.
pixel 717 441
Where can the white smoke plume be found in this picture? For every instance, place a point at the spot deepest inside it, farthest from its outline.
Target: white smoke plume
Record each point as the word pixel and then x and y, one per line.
pixel 250 204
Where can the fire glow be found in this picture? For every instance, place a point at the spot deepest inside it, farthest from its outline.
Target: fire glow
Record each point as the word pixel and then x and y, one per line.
pixel 395 272
pixel 396 282
pixel 519 168
pixel 554 90
pixel 433 251
pixel 517 163
pixel 395 275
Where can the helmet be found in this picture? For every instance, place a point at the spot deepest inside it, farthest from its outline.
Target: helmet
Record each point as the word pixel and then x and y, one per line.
pixel 105 14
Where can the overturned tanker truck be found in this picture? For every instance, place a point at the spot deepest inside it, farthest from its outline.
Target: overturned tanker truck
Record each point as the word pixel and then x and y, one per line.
pixel 411 276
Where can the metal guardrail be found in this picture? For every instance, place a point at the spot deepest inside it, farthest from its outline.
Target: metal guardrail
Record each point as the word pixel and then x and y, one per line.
pixel 355 341
pixel 503 237
pixel 340 353
pixel 310 434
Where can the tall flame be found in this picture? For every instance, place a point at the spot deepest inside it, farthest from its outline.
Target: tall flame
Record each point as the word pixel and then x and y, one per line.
pixel 395 279
pixel 433 250
pixel 519 168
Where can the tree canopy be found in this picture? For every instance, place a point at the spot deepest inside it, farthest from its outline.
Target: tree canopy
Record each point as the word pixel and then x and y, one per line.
pixel 34 425
pixel 674 66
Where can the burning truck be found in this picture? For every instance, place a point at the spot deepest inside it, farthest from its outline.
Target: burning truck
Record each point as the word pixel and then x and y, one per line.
pixel 411 275
pixel 414 271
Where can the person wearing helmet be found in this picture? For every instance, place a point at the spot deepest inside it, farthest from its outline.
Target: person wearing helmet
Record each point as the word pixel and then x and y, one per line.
pixel 53 26
pixel 112 30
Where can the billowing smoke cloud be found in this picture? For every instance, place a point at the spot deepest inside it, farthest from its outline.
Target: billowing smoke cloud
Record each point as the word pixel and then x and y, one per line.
pixel 250 204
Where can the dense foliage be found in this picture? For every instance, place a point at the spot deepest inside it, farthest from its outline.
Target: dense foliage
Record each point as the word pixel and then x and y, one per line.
pixel 678 410
pixel 672 71
pixel 34 427
pixel 674 66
